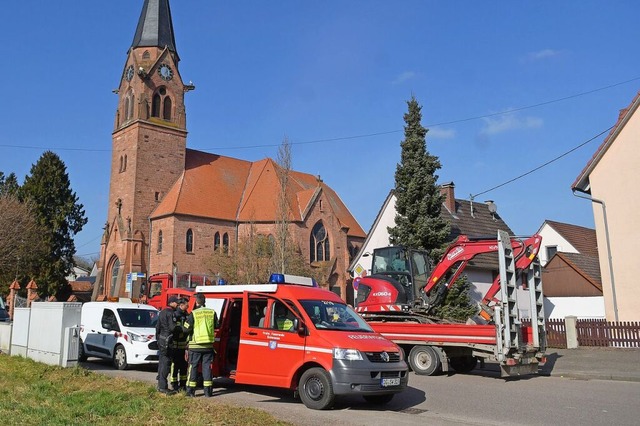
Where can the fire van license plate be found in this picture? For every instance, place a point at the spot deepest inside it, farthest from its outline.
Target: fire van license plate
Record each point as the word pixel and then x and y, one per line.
pixel 390 382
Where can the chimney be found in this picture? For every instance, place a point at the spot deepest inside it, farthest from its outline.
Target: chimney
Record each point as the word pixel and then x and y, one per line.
pixel 446 190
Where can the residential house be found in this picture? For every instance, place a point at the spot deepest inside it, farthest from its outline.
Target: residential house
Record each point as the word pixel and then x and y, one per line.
pixel 571 272
pixel 609 180
pixel 474 219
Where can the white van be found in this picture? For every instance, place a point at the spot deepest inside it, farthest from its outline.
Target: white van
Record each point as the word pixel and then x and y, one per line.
pixel 123 332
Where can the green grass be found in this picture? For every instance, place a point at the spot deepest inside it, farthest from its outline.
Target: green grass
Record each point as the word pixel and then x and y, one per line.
pixel 33 393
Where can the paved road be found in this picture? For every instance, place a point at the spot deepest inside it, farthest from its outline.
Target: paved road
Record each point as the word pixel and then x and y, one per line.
pixel 479 398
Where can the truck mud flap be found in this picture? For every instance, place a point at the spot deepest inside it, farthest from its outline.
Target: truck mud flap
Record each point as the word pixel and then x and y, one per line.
pixel 518 370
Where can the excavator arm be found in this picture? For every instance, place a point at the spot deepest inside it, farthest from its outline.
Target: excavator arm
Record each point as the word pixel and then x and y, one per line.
pixel 457 257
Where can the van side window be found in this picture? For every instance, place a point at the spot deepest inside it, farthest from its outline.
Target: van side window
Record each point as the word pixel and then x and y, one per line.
pixel 257 312
pixel 109 320
pixel 282 318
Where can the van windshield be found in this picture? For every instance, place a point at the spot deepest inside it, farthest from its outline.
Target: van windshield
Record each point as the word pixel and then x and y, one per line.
pixel 143 318
pixel 327 315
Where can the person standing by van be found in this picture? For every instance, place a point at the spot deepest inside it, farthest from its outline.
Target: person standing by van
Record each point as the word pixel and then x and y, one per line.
pixel 201 324
pixel 165 328
pixel 179 356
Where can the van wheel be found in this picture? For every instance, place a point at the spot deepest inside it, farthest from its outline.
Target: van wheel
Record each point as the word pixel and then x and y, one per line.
pixel 316 391
pixel 424 360
pixel 82 356
pixel 378 399
pixel 120 358
pixel 463 364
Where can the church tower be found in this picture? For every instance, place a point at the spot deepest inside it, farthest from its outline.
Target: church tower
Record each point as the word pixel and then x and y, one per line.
pixel 148 150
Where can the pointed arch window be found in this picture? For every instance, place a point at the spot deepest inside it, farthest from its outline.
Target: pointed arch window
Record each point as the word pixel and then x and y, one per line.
pixel 225 243
pixel 128 105
pixel 166 113
pixel 113 281
pixel 161 104
pixel 216 241
pixel 159 241
pixel 189 241
pixel 319 244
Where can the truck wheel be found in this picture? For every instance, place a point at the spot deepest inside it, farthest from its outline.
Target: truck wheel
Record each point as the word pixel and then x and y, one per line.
pixel 378 399
pixel 120 358
pixel 463 364
pixel 424 360
pixel 315 389
pixel 82 356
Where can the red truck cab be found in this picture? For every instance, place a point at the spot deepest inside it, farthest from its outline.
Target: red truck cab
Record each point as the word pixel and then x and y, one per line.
pixel 160 287
pixel 302 338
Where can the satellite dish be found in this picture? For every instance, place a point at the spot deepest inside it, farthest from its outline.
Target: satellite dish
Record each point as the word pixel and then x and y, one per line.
pixel 491 206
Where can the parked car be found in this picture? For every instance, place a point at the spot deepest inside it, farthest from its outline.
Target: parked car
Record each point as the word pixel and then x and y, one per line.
pixel 4 315
pixel 123 332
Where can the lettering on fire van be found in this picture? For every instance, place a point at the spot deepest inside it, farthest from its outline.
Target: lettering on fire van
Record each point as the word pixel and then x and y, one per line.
pixel 302 338
pixel 123 332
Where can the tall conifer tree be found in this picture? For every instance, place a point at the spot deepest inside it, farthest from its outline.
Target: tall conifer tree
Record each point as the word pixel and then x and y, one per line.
pixel 60 215
pixel 418 198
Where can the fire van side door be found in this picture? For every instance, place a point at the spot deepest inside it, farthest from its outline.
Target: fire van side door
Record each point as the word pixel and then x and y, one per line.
pixel 268 354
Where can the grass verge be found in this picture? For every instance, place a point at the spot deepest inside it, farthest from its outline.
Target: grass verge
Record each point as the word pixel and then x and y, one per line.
pixel 33 393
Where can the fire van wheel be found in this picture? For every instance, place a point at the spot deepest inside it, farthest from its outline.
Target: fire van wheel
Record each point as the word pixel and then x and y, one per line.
pixel 120 358
pixel 82 356
pixel 378 399
pixel 424 360
pixel 315 389
pixel 463 364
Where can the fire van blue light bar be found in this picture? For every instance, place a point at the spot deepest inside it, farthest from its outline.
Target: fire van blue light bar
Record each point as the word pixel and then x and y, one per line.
pixel 292 279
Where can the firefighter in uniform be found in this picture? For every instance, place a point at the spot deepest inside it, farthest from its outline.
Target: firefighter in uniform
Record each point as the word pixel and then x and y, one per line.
pixel 200 325
pixel 164 335
pixel 179 355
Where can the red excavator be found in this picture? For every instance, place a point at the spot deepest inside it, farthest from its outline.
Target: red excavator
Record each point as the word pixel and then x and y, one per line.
pixel 402 285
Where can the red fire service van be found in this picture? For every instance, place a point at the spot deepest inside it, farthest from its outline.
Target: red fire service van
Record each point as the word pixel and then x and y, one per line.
pixel 292 334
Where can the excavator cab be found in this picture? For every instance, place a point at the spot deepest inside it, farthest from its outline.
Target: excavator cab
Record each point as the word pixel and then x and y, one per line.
pixel 406 270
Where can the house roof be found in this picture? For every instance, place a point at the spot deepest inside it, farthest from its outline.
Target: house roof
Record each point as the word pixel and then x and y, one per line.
pixel 582 181
pixel 581 238
pixel 218 187
pixel 475 220
pixel 587 266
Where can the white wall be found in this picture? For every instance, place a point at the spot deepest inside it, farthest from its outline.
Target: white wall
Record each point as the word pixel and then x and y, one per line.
pixel 581 307
pixel 379 237
pixel 551 238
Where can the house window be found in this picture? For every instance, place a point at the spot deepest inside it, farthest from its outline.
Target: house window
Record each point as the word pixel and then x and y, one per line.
pixel 167 109
pixel 551 250
pixel 319 244
pixel 216 241
pixel 225 243
pixel 160 242
pixel 189 245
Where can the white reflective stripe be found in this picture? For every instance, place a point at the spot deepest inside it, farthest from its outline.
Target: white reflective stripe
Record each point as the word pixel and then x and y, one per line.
pixel 436 337
pixel 286 346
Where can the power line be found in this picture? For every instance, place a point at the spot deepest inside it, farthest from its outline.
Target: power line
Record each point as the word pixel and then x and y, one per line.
pixel 367 135
pixel 545 164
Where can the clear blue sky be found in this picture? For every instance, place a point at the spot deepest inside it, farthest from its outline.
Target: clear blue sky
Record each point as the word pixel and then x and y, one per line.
pixel 335 71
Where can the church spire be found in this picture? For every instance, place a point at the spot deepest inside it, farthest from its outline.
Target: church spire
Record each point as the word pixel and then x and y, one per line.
pixel 155 27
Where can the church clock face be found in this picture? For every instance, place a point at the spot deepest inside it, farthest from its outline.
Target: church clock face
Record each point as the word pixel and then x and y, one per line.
pixel 128 73
pixel 165 71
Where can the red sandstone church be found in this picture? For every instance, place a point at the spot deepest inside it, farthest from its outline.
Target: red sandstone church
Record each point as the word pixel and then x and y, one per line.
pixel 172 206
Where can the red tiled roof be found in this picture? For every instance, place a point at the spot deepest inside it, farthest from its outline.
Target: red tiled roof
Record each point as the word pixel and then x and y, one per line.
pixel 583 239
pixel 225 188
pixel 581 182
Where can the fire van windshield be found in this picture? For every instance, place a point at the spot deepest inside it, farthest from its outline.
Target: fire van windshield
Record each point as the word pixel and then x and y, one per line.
pixel 327 315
